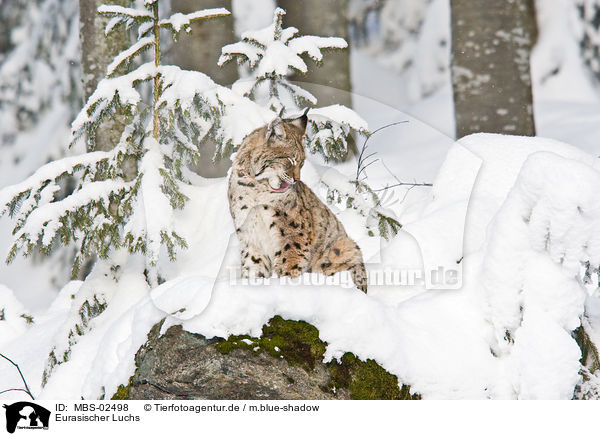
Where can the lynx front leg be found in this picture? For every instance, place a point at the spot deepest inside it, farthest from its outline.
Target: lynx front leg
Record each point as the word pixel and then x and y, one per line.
pixel 252 233
pixel 291 259
pixel 254 264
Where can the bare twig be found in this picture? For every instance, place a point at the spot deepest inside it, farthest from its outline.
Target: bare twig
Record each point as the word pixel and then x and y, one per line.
pixel 400 183
pixel 412 185
pixel 26 390
pixel 15 389
pixel 365 167
pixel 362 158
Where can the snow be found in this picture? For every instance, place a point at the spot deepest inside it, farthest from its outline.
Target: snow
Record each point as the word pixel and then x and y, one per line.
pixel 45 220
pixel 340 115
pixel 49 172
pixel 12 314
pixel 414 38
pixel 240 115
pixel 252 14
pixel 128 54
pixel 275 49
pixel 179 20
pixel 119 88
pixel 438 341
pixel 556 64
pixel 152 213
pixel 536 245
pixel 311 45
pixel 502 163
pixel 123 11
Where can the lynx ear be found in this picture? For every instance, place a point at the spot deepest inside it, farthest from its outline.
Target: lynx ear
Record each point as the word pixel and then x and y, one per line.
pixel 275 128
pixel 301 121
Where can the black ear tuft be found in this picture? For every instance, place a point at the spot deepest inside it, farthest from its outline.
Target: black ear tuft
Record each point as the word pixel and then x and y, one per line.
pixel 302 120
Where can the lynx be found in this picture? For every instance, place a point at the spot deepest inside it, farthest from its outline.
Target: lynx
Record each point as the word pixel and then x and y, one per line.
pixel 282 226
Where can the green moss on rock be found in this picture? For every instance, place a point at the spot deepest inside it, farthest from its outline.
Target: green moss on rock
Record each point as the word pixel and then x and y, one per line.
pixel 299 344
pixel 296 341
pixel 122 391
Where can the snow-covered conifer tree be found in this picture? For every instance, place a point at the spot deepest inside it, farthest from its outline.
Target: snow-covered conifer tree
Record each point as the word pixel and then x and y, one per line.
pixel 40 94
pixel 126 197
pixel 39 79
pixel 271 54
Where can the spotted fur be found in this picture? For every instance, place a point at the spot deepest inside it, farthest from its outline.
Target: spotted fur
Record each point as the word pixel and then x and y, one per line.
pixel 283 228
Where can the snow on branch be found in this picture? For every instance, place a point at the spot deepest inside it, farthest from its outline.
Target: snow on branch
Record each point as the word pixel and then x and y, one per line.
pixel 312 45
pixel 121 14
pixel 48 172
pixel 109 93
pixel 178 20
pixel 127 55
pixel 273 50
pixel 340 114
pixel 123 11
pixel 46 220
pixel 196 96
pixel 329 127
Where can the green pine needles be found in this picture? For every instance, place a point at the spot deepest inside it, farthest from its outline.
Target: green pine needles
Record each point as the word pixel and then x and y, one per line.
pixel 125 197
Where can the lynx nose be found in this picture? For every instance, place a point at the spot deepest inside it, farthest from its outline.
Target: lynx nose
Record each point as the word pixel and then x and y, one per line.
pixel 296 174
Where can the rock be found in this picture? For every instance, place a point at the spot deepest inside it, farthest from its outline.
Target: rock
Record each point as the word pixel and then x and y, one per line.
pixel 285 363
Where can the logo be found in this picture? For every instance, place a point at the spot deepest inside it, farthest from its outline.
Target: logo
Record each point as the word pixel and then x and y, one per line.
pixel 26 415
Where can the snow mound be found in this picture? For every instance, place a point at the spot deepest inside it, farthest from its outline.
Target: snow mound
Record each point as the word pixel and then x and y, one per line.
pixel 502 158
pixel 534 272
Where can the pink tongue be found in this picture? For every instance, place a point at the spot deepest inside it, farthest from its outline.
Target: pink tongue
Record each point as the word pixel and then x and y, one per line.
pixel 283 187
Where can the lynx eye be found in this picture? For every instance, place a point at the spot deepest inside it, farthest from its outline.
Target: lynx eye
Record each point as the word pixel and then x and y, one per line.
pixel 292 161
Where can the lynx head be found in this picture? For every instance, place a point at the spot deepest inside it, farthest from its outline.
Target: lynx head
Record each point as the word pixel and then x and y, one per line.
pixel 274 154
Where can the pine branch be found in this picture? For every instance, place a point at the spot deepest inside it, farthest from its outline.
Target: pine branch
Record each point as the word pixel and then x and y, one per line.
pixel 126 56
pixel 50 171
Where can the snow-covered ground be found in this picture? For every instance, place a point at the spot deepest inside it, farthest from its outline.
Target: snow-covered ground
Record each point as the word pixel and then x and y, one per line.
pixel 478 293
pixel 521 277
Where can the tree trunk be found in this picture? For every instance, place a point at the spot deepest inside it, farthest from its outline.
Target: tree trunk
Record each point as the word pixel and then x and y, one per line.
pixel 491 46
pixel 97 51
pixel 329 82
pixel 200 51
